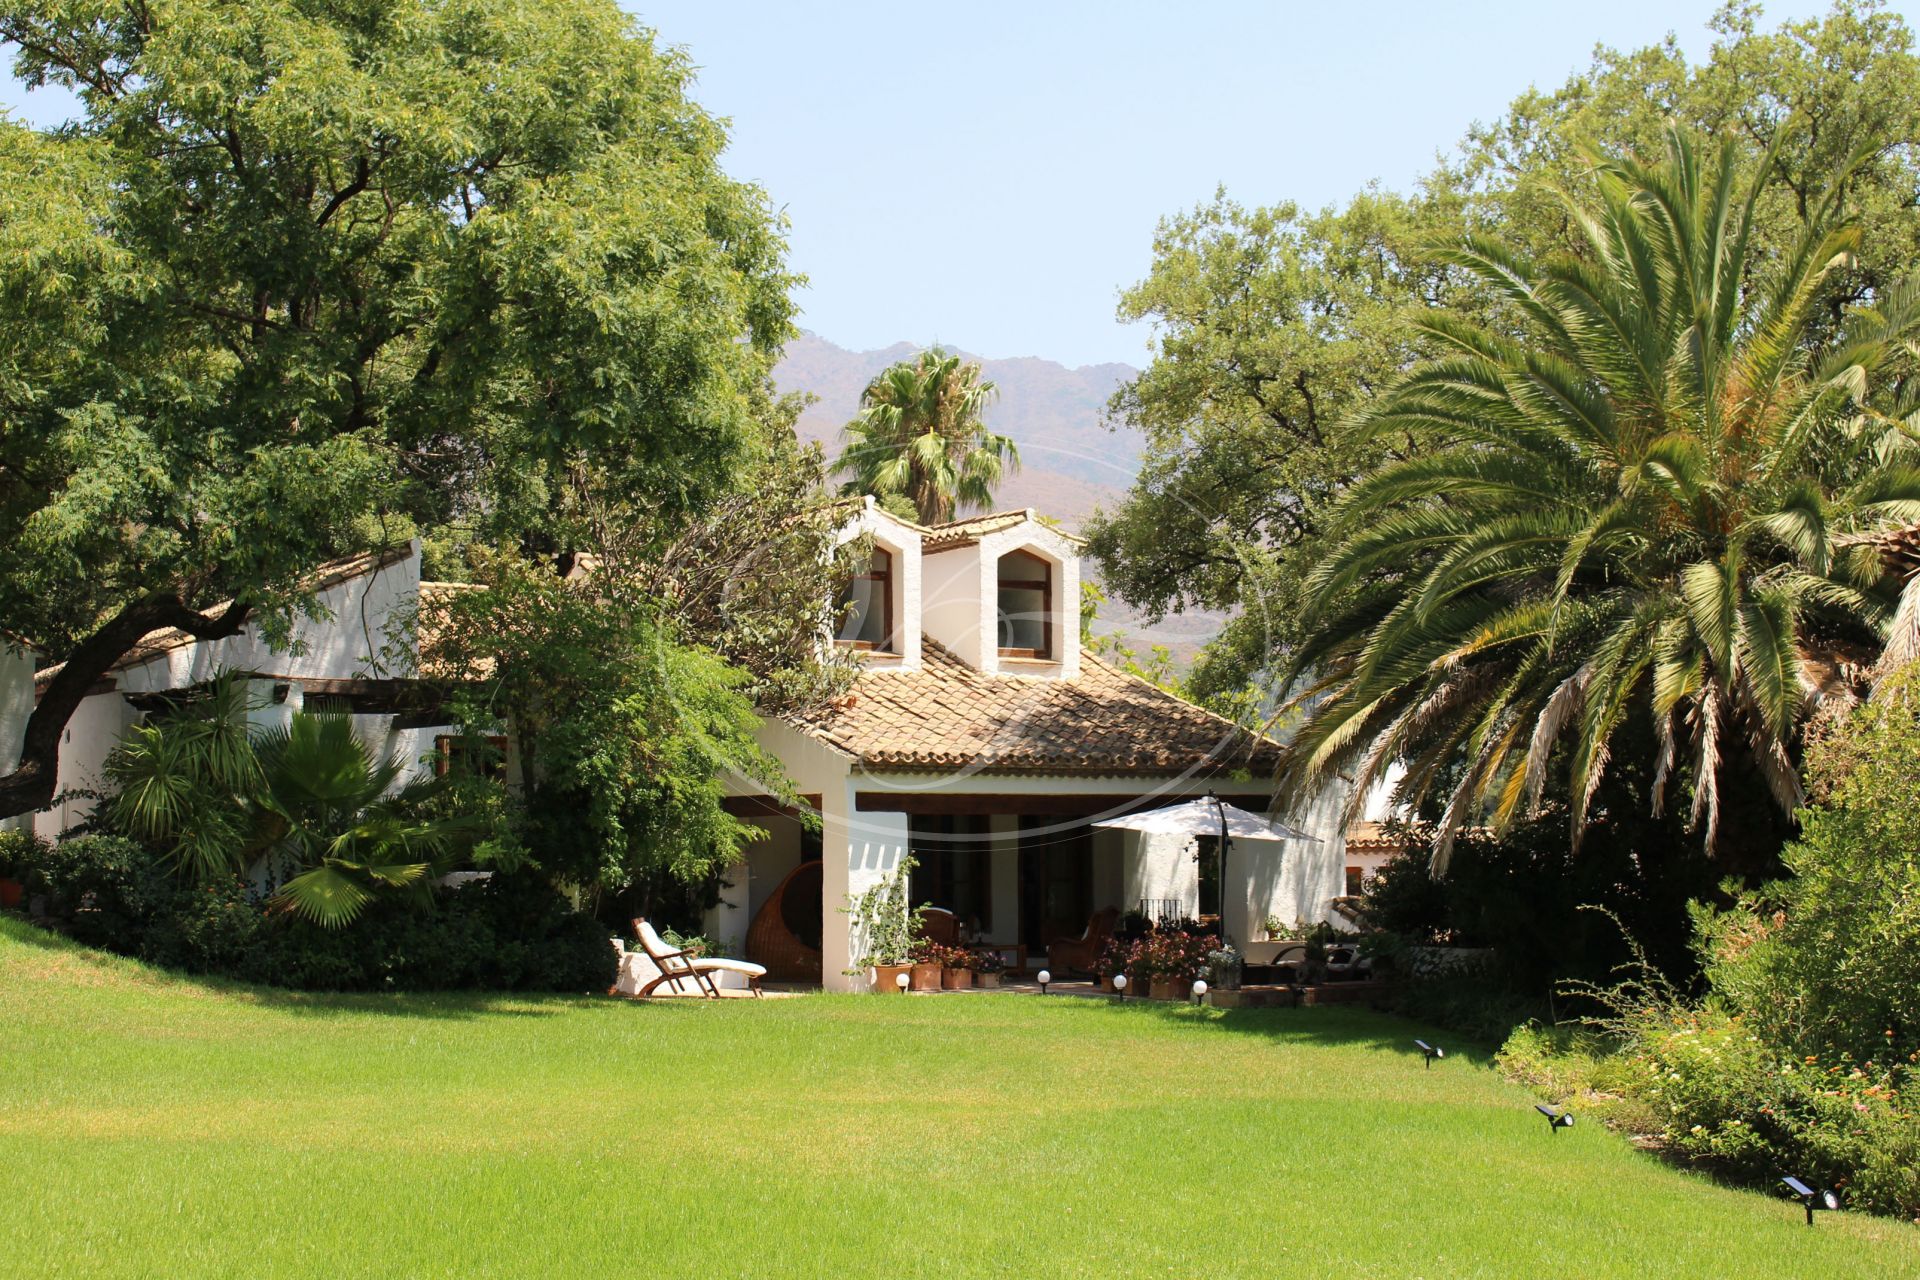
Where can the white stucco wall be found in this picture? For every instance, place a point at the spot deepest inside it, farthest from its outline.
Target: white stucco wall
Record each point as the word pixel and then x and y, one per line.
pixel 345 641
pixel 950 602
pixel 96 725
pixel 961 597
pixel 16 705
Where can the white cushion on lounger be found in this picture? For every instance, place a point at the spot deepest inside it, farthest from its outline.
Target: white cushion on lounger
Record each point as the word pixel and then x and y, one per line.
pixel 747 967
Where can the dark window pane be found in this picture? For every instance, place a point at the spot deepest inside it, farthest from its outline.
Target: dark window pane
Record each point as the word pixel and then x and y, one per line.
pixel 1023 619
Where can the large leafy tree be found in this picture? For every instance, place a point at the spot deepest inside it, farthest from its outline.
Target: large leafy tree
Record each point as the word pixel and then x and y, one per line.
pixel 627 733
pixel 921 438
pixel 1631 508
pixel 307 275
pixel 1273 324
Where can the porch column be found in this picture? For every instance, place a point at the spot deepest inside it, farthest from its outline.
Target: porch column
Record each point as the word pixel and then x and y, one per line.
pixel 727 920
pixel 1004 854
pixel 858 849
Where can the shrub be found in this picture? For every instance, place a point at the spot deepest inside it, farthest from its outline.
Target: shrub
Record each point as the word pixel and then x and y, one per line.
pixel 103 890
pixel 1526 893
pixel 1701 1084
pixel 511 933
pixel 206 928
pixel 1829 960
pixel 18 851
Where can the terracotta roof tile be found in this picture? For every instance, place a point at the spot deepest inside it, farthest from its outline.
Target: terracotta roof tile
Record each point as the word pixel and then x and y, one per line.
pixel 964 533
pixel 949 716
pixel 1376 837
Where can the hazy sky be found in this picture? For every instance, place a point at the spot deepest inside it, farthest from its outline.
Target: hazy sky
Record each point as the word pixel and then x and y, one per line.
pixel 989 175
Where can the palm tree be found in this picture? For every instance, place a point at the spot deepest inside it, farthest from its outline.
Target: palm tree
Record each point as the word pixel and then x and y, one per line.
pixel 919 436
pixel 330 807
pixel 1638 506
pixel 183 782
pixel 310 796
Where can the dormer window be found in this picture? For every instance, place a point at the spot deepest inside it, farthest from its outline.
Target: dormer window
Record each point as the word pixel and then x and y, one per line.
pixel 1025 606
pixel 867 603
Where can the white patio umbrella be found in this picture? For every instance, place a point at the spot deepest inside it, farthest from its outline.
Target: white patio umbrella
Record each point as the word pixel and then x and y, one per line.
pixel 1208 816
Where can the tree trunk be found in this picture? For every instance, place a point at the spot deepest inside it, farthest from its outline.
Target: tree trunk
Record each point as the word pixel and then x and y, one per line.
pixel 30 787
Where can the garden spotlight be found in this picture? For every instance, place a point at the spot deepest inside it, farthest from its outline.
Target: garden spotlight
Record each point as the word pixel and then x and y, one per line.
pixel 1430 1051
pixel 1556 1120
pixel 1810 1198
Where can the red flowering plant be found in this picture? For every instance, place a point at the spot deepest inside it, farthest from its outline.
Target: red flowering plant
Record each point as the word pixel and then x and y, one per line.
pixel 1113 957
pixel 985 961
pixel 1172 953
pixel 927 951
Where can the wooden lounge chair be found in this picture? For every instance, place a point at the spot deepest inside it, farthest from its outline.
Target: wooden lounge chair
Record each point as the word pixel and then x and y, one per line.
pixel 679 967
pixel 1080 953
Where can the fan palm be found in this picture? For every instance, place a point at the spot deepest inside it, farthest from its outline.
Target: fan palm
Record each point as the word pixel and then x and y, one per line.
pixel 920 436
pixel 1638 507
pixel 331 808
pixel 183 782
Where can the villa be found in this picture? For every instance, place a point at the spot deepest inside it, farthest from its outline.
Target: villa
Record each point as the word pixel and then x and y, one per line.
pixel 979 736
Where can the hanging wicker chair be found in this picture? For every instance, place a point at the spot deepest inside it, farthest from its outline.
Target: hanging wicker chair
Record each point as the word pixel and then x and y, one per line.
pixel 785 934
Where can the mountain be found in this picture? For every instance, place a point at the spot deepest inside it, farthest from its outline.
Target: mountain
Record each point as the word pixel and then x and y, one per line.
pixel 1070 460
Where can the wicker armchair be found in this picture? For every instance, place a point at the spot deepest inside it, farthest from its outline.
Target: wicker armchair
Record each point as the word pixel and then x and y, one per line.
pixel 1079 954
pixel 772 939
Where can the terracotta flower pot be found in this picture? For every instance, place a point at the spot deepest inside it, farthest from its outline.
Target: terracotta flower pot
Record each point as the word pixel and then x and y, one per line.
pixel 1162 989
pixel 926 976
pixel 990 981
pixel 11 892
pixel 885 978
pixel 1106 982
pixel 1182 988
pixel 957 979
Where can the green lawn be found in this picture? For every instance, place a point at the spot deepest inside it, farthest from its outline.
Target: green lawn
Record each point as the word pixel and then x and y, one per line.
pixel 158 1127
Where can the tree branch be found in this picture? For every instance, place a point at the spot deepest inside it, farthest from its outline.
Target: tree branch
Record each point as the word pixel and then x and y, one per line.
pixel 30 787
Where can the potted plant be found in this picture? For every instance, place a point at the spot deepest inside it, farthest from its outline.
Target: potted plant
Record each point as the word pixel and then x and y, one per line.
pixel 958 972
pixel 1274 930
pixel 1162 964
pixel 887 929
pixel 928 962
pixel 987 966
pixel 1175 957
pixel 1223 968
pixel 15 855
pixel 1112 961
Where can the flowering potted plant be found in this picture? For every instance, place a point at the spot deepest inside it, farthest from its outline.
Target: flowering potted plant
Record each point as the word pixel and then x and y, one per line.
pixel 1137 963
pixel 1174 959
pixel 929 959
pixel 1112 960
pixel 986 968
pixel 1223 968
pixel 958 973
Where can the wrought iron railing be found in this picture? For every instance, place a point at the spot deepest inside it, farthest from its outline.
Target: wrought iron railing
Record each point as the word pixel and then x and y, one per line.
pixel 1161 910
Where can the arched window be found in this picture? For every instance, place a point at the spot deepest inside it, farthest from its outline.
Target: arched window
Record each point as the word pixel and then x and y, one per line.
pixel 867 603
pixel 1025 606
